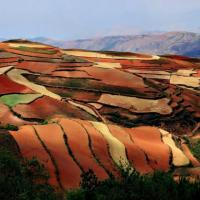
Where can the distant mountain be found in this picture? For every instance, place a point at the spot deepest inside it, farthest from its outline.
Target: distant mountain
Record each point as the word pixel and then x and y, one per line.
pixel 180 43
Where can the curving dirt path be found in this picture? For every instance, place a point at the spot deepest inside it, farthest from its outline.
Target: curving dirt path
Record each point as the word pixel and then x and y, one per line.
pixel 16 75
pixel 5 69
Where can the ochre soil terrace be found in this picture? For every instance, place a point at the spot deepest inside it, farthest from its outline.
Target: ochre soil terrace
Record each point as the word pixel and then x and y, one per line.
pixel 98 110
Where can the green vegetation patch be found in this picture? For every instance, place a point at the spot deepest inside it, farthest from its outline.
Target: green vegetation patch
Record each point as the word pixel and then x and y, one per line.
pixel 14 99
pixel 36 50
pixel 133 186
pixel 73 59
pixel 195 148
pixel 22 179
pixel 9 127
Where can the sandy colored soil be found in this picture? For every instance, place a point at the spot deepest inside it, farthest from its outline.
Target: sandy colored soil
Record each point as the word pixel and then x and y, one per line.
pixel 16 75
pixel 102 55
pixel 99 147
pixel 107 65
pixel 137 104
pixel 27 45
pixel 137 71
pixel 116 148
pixel 135 155
pixel 5 69
pixel 187 81
pixel 96 105
pixel 185 72
pixel 179 158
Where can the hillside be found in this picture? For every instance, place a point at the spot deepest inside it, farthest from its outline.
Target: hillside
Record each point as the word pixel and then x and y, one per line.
pixel 77 110
pixel 179 43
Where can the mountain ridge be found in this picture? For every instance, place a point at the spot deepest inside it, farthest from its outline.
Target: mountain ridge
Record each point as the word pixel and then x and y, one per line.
pixel 179 43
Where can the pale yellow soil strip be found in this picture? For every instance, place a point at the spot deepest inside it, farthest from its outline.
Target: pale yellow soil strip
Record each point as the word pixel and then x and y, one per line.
pixel 5 69
pixel 179 158
pixel 116 148
pixel 139 71
pixel 187 81
pixel 85 108
pixel 96 105
pixel 102 55
pixel 27 45
pixel 137 104
pixel 185 72
pixel 17 76
pixel 107 65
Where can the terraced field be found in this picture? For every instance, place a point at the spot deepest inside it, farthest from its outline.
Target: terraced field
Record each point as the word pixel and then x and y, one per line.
pixel 77 110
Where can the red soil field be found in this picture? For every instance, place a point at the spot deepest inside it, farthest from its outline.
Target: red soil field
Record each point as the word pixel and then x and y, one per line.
pixel 135 155
pixel 7 117
pixel 69 172
pixel 78 95
pixel 8 60
pixel 116 77
pixel 51 108
pixel 8 86
pixel 26 53
pixel 79 144
pixel 71 74
pixel 197 74
pixel 31 147
pixel 74 65
pixel 149 140
pixel 100 147
pixel 38 67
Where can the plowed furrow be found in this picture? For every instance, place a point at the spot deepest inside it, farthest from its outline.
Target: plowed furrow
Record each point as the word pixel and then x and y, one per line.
pixel 99 148
pixel 69 172
pixel 35 149
pixel 149 140
pixel 135 155
pixel 79 144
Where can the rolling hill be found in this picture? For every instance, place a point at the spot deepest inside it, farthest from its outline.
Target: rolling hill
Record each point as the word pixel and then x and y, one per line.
pixel 77 110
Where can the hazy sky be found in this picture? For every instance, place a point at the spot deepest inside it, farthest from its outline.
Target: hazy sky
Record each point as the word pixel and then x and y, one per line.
pixel 73 19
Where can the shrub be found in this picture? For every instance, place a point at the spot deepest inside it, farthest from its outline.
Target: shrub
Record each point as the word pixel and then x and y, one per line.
pixel 23 179
pixel 9 127
pixel 195 148
pixel 133 186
